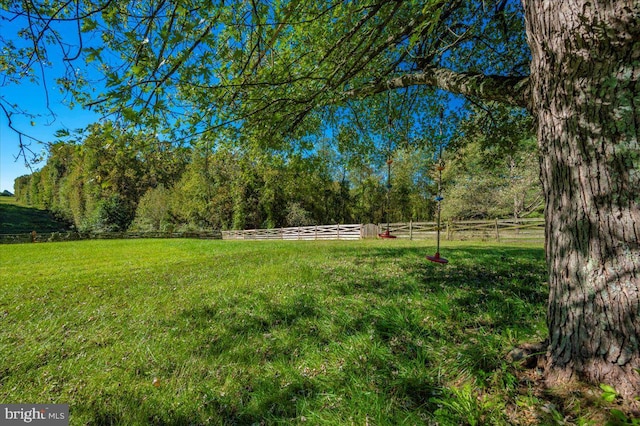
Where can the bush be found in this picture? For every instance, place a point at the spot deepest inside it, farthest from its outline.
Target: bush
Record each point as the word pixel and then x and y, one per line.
pixel 297 215
pixel 152 213
pixel 114 214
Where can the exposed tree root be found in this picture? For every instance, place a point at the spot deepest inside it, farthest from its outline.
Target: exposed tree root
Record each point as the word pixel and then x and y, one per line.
pixel 561 394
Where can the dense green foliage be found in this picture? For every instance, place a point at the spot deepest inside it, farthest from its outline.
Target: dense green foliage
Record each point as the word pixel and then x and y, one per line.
pixel 112 180
pixel 204 188
pixel 96 184
pixel 492 168
pixel 281 103
pixel 273 71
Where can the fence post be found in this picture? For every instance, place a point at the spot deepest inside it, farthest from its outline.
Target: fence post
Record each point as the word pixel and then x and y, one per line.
pixel 497 232
pixel 338 227
pixel 411 230
pixel 448 229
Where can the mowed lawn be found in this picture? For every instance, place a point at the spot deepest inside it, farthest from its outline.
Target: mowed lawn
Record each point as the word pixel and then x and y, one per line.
pixel 219 332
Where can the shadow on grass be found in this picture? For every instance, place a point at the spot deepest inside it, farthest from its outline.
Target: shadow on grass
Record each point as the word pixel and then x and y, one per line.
pixel 15 219
pixel 481 300
pixel 501 281
pixel 393 331
pixel 380 331
pixel 464 310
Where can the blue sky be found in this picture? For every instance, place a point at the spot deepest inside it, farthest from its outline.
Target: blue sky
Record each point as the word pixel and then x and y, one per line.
pixel 9 168
pixel 31 97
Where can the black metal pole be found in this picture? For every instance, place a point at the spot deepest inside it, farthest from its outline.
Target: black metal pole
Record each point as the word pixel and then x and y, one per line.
pixel 388 194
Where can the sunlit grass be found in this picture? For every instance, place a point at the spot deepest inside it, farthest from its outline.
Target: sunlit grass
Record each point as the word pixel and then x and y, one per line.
pixel 275 332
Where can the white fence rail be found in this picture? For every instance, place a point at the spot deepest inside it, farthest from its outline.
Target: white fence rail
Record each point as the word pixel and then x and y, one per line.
pixel 506 230
pixel 525 230
pixel 320 232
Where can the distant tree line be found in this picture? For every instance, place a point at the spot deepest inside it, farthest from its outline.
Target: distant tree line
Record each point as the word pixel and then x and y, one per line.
pixel 492 168
pixel 111 180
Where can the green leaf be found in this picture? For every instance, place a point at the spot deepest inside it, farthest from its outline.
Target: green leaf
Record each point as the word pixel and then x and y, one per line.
pixel 609 394
pixel 129 114
pixel 88 25
pixel 137 70
pixel 618 415
pixel 607 388
pixel 92 54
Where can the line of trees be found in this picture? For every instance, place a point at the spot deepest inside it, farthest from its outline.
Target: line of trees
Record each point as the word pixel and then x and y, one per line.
pixel 112 180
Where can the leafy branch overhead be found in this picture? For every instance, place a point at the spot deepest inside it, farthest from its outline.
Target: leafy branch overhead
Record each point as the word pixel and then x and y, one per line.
pixel 266 66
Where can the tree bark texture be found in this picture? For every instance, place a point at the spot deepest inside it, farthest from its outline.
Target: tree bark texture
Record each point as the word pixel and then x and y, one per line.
pixel 585 77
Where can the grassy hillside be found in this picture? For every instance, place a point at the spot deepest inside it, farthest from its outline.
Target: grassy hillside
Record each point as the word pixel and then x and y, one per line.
pixel 220 332
pixel 18 219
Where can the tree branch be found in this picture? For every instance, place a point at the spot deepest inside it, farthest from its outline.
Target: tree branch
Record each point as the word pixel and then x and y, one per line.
pixel 509 90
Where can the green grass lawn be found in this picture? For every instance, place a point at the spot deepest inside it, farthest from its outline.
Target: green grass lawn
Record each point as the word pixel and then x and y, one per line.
pixel 18 219
pixel 220 332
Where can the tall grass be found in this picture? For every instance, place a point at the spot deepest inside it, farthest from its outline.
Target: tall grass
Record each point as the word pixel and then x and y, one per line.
pixel 219 332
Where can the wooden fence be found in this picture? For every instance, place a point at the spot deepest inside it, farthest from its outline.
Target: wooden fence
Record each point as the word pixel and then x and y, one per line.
pixel 504 230
pixel 35 237
pixel 320 232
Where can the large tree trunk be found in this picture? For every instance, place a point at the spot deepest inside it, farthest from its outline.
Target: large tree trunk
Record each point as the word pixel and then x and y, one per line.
pixel 585 77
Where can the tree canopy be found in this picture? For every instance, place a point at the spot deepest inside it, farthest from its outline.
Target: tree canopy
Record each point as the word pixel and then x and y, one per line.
pixel 115 180
pixel 274 69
